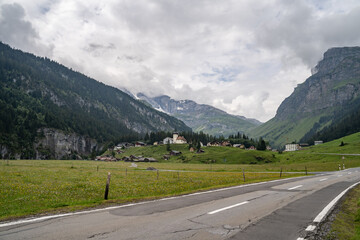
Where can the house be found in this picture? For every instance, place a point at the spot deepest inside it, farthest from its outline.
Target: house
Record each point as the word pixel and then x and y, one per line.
pixel 168 140
pixel 252 148
pixel 192 149
pixel 200 151
pixel 178 139
pixel 139 144
pixel 166 157
pixel 318 142
pixel 156 143
pixel 290 147
pixel 226 144
pixel 237 145
pixel 175 153
pixel 213 144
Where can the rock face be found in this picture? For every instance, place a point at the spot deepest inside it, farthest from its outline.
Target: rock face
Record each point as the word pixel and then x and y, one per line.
pixel 201 117
pixel 331 93
pixel 57 144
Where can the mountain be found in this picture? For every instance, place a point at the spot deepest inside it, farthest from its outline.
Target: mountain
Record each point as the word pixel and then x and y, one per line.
pixel 201 117
pixel 50 111
pixel 324 100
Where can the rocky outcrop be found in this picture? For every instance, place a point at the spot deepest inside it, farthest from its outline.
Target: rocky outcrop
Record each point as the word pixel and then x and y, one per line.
pixel 329 95
pixel 56 144
pixel 335 83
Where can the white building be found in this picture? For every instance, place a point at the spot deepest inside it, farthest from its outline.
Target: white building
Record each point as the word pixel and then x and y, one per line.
pixel 318 142
pixel 178 139
pixel 292 147
pixel 168 140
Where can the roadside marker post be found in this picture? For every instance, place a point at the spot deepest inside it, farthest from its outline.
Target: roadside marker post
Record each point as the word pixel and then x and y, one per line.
pixel 107 186
pixel 243 174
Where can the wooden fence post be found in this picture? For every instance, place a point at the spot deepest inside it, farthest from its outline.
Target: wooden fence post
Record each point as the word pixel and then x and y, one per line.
pixel 305 170
pixel 107 186
pixel 280 172
pixel 243 174
pixel 157 174
pixel 97 168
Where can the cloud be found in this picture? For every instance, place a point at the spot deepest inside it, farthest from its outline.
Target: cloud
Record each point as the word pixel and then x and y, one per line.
pixel 18 32
pixel 240 56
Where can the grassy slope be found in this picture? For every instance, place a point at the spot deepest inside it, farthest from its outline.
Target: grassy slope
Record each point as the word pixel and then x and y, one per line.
pixel 281 132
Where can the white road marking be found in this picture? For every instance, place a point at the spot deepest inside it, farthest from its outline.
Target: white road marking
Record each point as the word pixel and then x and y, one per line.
pixel 339 175
pixel 300 238
pixel 226 208
pixel 323 179
pixel 299 186
pixel 310 228
pixel 349 173
pixel 325 211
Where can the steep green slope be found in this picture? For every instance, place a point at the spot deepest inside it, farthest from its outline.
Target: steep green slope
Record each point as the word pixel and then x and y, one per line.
pixel 37 93
pixel 324 99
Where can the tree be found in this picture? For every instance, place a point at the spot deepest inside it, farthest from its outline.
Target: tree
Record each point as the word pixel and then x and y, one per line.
pixel 168 148
pixel 261 145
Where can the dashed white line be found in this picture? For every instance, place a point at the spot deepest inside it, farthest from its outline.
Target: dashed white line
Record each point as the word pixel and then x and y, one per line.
pixel 226 208
pixel 349 173
pixel 323 179
pixel 340 175
pixel 310 228
pixel 299 186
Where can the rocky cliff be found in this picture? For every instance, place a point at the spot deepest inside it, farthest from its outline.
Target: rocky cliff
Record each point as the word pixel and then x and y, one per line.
pixel 56 144
pixel 331 93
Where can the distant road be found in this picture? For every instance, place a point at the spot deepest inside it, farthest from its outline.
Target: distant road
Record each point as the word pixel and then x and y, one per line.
pixel 281 209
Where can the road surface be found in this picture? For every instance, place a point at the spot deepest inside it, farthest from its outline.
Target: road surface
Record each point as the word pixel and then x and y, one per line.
pixel 281 209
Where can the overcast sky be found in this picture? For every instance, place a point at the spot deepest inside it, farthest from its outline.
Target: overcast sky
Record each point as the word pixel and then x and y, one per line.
pixel 242 56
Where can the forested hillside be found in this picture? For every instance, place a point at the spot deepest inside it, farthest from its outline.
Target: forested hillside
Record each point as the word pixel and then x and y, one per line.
pixel 37 93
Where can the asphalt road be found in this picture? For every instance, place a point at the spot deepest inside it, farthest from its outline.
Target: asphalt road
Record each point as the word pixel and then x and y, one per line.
pixel 281 209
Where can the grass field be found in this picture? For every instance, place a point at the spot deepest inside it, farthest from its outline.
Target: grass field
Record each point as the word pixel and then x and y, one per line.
pixel 37 186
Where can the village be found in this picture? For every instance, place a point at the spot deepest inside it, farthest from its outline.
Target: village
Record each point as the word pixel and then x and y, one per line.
pixel 175 139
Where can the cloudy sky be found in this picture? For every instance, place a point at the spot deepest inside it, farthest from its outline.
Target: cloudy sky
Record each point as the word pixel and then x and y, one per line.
pixel 242 56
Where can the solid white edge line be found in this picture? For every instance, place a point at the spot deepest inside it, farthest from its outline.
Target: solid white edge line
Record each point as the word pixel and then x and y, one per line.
pixel 325 211
pixel 300 238
pixel 322 179
pixel 310 228
pixel 292 188
pixel 226 208
pixel 32 220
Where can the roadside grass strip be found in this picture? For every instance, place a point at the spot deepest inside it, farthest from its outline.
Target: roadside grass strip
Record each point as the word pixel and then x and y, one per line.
pixel 39 219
